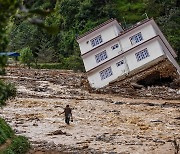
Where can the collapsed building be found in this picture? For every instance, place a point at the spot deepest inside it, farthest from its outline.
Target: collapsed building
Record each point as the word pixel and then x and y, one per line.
pixel 140 54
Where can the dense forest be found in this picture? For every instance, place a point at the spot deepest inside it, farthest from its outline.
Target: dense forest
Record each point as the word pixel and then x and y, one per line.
pixel 70 18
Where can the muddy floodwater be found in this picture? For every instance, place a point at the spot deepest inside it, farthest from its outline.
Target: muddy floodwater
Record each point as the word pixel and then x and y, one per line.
pixel 102 123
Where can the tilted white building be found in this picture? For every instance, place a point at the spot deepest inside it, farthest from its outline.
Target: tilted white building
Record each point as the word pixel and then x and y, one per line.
pixel 109 52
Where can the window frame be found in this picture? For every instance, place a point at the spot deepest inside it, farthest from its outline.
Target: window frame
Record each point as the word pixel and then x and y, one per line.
pixel 120 63
pixel 96 41
pixel 106 73
pixel 137 37
pixel 143 54
pixel 101 56
pixel 115 46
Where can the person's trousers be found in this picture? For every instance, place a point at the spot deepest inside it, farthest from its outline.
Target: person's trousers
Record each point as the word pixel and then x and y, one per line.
pixel 67 119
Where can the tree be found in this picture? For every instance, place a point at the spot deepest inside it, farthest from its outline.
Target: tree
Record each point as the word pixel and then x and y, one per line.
pixel 26 56
pixel 74 62
pixel 130 11
pixel 69 9
pixel 7 10
pixel 45 51
pixel 166 14
pixel 3 61
pixel 7 90
pixel 74 17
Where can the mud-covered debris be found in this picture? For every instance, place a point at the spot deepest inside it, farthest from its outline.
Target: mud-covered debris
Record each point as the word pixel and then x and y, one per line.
pixel 59 132
pixel 103 123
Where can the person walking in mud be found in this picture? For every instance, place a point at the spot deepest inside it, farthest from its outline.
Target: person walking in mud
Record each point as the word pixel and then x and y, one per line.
pixel 68 114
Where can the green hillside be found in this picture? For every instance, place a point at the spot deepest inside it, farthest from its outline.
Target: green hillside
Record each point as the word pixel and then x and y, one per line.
pixel 74 17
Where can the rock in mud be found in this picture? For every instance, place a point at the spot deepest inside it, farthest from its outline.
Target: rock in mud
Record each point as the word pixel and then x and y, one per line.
pixel 59 132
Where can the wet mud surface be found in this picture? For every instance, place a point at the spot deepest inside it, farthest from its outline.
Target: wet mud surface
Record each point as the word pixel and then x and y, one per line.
pixel 102 123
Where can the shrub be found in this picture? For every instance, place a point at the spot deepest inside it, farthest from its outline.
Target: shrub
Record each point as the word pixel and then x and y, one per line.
pixel 48 66
pixel 26 56
pixel 74 63
pixel 69 64
pixel 7 90
pixel 5 131
pixel 19 145
pixel 3 61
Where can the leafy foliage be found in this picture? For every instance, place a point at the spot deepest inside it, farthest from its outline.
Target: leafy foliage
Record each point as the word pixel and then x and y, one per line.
pixel 131 11
pixel 3 61
pixel 26 56
pixel 19 145
pixel 170 25
pixel 73 62
pixel 74 17
pixel 5 131
pixel 7 9
pixel 7 90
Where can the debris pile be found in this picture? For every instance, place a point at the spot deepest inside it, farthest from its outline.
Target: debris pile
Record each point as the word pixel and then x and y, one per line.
pixel 161 81
pixel 46 83
pixel 62 77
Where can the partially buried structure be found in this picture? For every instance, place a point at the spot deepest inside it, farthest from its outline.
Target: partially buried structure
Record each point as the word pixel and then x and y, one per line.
pixel 110 53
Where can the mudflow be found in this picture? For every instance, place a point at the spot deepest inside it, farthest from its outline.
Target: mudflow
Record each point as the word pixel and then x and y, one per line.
pixel 103 123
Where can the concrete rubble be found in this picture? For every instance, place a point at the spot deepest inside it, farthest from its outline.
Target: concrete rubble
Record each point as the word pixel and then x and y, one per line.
pixel 122 119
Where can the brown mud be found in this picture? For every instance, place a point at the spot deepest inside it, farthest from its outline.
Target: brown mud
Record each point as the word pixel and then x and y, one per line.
pixel 103 123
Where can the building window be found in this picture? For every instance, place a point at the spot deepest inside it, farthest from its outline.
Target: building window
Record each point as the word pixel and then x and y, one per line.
pixel 115 46
pixel 106 73
pixel 142 54
pixel 136 38
pixel 101 56
pixel 120 63
pixel 97 40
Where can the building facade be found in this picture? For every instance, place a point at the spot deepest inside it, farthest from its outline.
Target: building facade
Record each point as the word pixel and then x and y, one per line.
pixel 109 52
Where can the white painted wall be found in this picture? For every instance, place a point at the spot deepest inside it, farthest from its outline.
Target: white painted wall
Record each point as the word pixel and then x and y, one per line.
pixel 158 32
pixel 90 61
pixel 153 46
pixel 146 31
pixel 95 79
pixel 107 34
pixel 155 50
